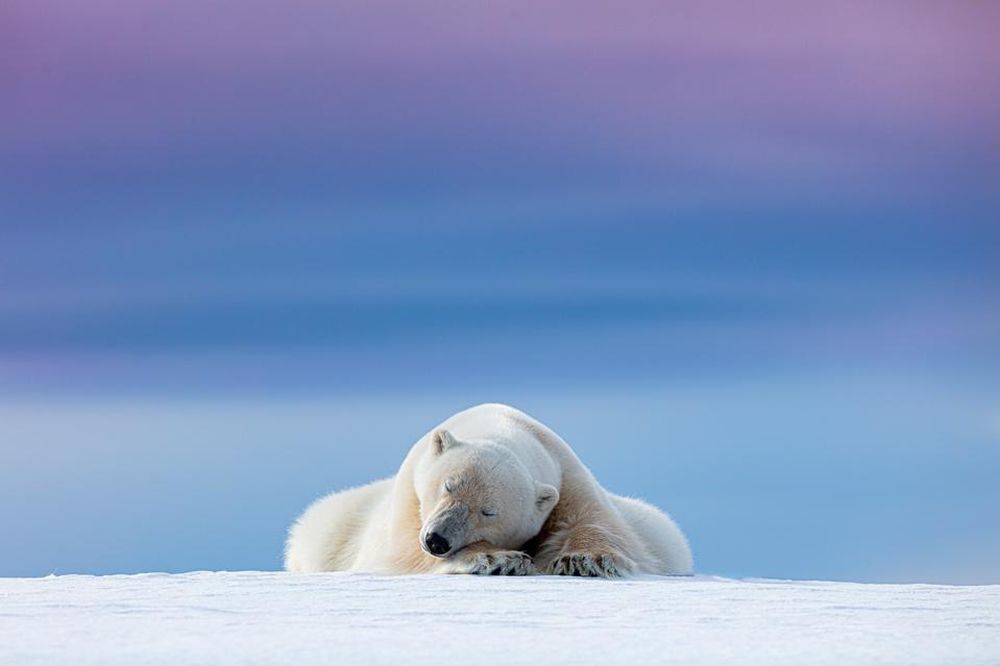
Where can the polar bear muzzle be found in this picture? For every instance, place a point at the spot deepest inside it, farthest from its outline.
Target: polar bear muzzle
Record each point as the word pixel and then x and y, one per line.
pixel 444 532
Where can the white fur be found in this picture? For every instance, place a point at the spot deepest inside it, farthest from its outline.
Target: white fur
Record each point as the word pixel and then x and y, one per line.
pixel 551 515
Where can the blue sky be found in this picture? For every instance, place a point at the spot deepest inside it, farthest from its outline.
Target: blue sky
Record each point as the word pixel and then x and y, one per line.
pixel 746 261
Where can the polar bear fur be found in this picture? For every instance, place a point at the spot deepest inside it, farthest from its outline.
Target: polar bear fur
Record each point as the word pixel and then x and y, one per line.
pixel 490 490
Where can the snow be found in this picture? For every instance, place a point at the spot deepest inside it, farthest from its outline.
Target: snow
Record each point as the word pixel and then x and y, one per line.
pixel 278 618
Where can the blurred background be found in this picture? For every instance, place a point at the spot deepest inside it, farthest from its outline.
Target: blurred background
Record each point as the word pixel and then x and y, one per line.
pixel 744 257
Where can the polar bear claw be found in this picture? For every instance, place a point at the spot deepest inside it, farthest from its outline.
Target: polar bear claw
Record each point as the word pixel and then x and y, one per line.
pixel 502 563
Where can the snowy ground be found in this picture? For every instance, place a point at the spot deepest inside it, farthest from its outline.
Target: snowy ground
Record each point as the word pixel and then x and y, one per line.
pixel 280 618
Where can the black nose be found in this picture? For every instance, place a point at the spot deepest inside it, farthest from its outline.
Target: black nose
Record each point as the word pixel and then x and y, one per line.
pixel 437 544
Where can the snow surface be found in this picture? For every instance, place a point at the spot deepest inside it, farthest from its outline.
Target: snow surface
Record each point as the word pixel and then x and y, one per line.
pixel 278 618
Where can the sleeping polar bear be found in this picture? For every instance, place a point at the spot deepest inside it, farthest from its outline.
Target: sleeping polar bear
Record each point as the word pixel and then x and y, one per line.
pixel 489 491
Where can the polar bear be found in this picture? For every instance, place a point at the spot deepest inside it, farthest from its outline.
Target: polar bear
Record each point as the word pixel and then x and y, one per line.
pixel 489 491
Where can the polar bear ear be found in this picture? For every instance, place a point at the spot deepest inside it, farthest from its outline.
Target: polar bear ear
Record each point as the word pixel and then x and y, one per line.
pixel 546 496
pixel 442 440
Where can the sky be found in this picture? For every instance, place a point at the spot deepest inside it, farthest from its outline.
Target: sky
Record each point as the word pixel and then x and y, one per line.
pixel 745 259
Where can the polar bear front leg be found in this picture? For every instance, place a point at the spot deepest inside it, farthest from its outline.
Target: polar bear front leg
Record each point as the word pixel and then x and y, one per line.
pixel 585 550
pixel 488 560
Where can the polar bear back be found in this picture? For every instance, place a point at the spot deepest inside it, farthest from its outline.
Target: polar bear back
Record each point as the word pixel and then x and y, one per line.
pixel 331 533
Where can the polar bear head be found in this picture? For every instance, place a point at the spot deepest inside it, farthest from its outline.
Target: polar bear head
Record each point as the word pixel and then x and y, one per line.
pixel 477 490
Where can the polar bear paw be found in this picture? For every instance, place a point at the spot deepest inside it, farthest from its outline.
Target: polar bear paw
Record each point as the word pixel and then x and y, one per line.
pixel 502 563
pixel 595 565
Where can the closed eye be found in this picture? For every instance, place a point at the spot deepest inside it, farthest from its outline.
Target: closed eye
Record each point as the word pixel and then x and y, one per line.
pixel 489 513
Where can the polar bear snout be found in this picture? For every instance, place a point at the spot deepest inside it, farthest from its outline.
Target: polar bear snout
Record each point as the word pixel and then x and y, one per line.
pixel 437 545
pixel 445 531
